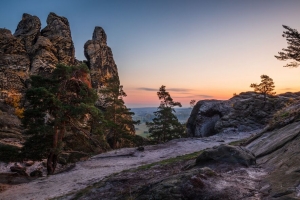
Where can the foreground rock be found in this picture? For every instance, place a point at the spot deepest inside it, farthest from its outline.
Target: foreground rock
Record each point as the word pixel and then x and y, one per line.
pixel 90 172
pixel 224 179
pixel 279 154
pixel 228 154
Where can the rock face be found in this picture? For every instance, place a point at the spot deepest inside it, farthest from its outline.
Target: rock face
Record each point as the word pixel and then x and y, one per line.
pixel 244 112
pixel 32 51
pixel 100 59
pixel 204 117
pixel 59 33
pixel 14 64
pixel 279 152
pixel 28 30
pixel 54 46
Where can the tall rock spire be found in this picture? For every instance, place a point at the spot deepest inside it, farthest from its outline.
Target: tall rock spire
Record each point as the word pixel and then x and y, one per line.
pixel 100 59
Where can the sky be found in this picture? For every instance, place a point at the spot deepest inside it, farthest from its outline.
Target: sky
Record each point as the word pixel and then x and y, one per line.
pixel 198 49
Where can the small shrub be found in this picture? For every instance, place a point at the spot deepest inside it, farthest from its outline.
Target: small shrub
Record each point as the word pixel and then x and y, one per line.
pixel 290 113
pixel 14 99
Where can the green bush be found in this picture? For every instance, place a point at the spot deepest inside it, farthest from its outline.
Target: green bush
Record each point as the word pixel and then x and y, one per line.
pixel 9 153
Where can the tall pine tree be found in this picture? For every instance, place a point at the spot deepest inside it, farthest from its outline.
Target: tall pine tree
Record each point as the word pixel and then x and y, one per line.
pixel 165 126
pixel 56 104
pixel 119 125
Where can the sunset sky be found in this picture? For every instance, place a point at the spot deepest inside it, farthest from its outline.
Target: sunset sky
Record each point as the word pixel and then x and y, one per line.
pixel 198 49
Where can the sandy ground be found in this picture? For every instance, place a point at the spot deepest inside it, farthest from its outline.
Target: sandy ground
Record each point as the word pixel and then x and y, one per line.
pixel 86 173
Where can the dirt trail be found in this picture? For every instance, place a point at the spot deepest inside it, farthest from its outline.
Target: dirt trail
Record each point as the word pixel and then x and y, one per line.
pixel 96 168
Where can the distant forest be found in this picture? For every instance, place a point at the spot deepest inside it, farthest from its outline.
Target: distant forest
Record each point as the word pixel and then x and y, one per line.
pixel 146 114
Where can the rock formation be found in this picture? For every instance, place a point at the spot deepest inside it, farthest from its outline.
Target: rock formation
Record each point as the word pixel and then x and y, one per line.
pixel 101 62
pixel 280 156
pixel 100 58
pixel 244 112
pixel 32 51
pixel 14 64
pixel 28 30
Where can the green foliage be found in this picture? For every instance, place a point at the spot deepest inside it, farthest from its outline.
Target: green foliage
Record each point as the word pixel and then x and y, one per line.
pixel 292 52
pixel 118 125
pixel 57 103
pixel 165 125
pixel 9 153
pixel 266 87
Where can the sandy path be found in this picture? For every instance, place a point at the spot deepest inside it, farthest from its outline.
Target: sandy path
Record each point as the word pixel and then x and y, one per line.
pixel 96 168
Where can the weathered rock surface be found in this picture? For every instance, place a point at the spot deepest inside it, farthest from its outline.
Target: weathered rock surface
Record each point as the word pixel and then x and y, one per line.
pixel 59 33
pixel 100 59
pixel 171 181
pixel 28 30
pixel 279 153
pixel 228 154
pixel 43 59
pixel 205 115
pixel 244 112
pixel 14 64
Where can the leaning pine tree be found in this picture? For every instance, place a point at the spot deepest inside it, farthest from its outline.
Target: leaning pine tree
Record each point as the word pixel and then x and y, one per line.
pixel 56 104
pixel 165 126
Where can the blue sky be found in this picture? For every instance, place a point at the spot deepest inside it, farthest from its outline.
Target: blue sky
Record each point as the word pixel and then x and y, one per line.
pixel 198 49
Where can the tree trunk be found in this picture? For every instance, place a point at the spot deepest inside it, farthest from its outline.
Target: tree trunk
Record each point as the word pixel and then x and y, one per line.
pixel 51 163
pixel 52 158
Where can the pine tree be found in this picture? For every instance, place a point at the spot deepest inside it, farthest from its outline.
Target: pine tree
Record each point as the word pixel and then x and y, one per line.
pixel 266 86
pixel 292 52
pixel 165 125
pixel 118 126
pixel 56 104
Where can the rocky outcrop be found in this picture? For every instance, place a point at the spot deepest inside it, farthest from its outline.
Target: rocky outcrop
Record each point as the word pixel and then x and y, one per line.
pixel 244 112
pixel 14 64
pixel 28 30
pixel 32 51
pixel 100 59
pixel 278 151
pixel 54 46
pixel 204 116
pixel 43 59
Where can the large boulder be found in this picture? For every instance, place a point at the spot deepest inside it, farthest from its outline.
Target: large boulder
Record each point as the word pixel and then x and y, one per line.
pixel 244 112
pixel 228 154
pixel 204 116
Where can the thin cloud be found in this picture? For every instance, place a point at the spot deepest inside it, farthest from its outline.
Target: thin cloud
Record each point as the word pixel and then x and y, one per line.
pixel 147 89
pixel 178 89
pixel 286 89
pixel 204 96
pixel 168 89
